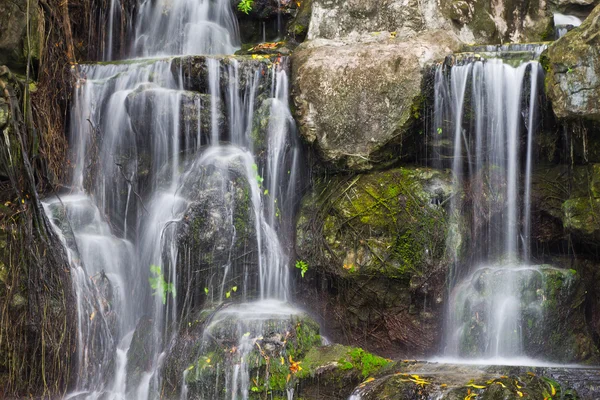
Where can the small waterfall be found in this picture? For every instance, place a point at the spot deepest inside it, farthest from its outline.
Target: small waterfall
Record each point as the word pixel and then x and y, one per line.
pixel 490 109
pixel 178 27
pixel 183 190
pixel 564 23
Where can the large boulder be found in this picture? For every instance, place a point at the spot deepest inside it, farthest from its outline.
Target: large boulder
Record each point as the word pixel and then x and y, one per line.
pixel 14 41
pixel 473 20
pixel 377 245
pixel 573 64
pixel 354 102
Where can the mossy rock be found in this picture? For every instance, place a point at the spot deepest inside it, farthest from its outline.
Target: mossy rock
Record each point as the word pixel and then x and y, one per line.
pixel 216 238
pixel 573 78
pixel 390 223
pixel 565 201
pixel 268 345
pixel 334 371
pixel 549 317
pixel 378 244
pixel 298 27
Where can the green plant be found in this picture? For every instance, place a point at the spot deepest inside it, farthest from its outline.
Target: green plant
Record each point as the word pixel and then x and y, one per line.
pixel 159 285
pixel 302 266
pixel 245 6
pixel 259 178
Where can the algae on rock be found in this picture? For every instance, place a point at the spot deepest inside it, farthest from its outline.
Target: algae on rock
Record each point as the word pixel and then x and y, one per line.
pixel 379 240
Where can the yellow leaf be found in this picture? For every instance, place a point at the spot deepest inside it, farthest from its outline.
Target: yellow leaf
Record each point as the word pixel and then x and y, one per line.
pixel 501 384
pixel 530 374
pixel 282 360
pixel 520 393
pixel 475 386
pixel 92 315
pixel 369 380
pixel 553 389
pixel 191 367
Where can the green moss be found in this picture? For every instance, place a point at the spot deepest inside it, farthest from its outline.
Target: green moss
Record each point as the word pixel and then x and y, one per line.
pixel 582 214
pixel 367 363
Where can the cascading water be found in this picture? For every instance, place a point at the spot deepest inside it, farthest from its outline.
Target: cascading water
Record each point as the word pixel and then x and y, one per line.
pixel 161 146
pixel 490 108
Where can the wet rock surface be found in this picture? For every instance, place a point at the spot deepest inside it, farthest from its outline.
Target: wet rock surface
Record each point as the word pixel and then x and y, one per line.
pixel 416 380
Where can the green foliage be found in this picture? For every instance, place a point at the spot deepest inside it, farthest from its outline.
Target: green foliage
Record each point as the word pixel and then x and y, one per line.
pixel 245 6
pixel 259 178
pixel 159 285
pixel 302 266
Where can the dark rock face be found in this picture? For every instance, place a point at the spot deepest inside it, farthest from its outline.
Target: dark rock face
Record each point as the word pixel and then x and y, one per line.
pixel 378 241
pixel 195 74
pixel 216 239
pixel 354 101
pixel 147 104
pixel 14 42
pixel 140 354
pixel 573 63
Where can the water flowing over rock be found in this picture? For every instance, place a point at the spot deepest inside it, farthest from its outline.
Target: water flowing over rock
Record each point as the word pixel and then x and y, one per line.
pixel 354 102
pixel 189 204
pixel 573 79
pixel 200 247
pixel 523 311
pixel 496 311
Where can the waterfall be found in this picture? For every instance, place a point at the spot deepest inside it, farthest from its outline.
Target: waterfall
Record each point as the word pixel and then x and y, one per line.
pixel 182 194
pixel 489 108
